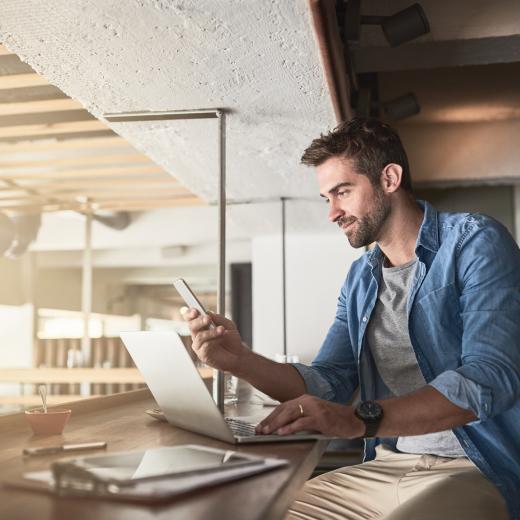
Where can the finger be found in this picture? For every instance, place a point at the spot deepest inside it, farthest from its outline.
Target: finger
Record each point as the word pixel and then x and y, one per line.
pixel 301 424
pixel 189 313
pixel 283 415
pixel 218 319
pixel 198 324
pixel 262 426
pixel 208 335
pixel 210 352
pixel 271 417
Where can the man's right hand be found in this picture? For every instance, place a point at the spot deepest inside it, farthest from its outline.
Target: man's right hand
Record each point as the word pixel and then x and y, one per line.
pixel 219 347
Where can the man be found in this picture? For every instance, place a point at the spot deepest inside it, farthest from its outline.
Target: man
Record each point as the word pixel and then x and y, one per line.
pixel 427 325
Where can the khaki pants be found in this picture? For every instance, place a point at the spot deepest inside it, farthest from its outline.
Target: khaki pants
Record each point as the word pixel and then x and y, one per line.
pixel 401 486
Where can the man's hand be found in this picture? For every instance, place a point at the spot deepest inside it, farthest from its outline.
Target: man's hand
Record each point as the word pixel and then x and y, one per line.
pixel 220 347
pixel 310 413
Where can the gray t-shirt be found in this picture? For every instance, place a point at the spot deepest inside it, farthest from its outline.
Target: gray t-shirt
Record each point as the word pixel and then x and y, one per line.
pixel 389 343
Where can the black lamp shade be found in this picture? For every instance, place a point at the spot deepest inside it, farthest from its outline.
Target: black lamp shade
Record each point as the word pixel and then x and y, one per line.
pixel 401 107
pixel 406 25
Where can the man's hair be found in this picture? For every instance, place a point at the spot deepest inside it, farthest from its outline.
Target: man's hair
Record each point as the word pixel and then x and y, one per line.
pixel 368 142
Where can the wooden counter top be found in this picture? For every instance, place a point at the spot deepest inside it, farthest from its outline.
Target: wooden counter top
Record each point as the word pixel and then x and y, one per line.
pixel 120 420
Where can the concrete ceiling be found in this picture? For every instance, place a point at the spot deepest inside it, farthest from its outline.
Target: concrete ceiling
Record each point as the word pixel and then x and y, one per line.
pixel 256 59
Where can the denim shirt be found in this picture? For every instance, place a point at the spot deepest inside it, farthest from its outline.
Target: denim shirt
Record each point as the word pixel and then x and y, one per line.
pixel 464 325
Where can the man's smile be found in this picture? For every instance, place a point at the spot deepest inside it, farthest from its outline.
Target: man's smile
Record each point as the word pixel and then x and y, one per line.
pixel 344 224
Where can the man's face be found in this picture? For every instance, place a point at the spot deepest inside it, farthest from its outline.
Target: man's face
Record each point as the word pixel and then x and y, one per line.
pixel 359 208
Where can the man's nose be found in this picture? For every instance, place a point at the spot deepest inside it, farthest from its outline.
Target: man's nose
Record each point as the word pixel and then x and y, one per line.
pixel 335 211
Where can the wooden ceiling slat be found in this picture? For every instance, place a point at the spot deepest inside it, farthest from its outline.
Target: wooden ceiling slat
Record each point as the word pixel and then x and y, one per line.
pixel 100 194
pixel 97 195
pixel 30 94
pixel 115 205
pixel 58 136
pixel 100 182
pixel 12 64
pixel 78 161
pixel 34 107
pixel 85 173
pixel 112 141
pixel 45 118
pixel 139 204
pixel 22 80
pixel 43 129
pixel 4 50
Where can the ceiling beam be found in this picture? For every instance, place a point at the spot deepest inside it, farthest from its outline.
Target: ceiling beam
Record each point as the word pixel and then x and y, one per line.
pixel 436 54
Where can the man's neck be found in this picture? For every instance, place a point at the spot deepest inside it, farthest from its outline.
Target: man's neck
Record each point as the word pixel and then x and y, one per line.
pixel 401 232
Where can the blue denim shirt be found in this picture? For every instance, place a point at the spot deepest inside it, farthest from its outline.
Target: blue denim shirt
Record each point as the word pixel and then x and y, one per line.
pixel 464 325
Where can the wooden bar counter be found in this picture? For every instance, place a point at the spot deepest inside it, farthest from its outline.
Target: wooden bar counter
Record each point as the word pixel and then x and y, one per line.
pixel 120 420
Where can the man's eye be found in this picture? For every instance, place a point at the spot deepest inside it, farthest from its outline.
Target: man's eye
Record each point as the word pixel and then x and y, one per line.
pixel 343 193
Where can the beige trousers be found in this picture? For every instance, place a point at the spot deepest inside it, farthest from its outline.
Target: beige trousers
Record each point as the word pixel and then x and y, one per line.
pixel 401 486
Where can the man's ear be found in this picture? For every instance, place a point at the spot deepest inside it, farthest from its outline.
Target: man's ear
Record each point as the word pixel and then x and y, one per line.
pixel 391 177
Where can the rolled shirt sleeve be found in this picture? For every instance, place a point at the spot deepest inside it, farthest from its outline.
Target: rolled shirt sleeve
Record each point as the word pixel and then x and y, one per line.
pixel 464 393
pixel 315 383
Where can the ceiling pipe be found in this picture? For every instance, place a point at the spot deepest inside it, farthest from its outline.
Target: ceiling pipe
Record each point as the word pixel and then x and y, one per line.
pixel 324 22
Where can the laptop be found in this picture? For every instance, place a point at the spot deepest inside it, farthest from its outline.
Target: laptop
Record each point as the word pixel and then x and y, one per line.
pixel 180 391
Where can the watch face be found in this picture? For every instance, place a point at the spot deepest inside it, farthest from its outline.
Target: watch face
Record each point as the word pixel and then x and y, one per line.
pixel 370 410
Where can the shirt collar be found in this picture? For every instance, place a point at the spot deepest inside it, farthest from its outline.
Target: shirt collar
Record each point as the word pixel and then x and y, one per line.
pixel 429 230
pixel 428 237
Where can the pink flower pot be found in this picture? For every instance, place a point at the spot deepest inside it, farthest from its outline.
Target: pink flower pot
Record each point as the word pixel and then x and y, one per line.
pixel 51 423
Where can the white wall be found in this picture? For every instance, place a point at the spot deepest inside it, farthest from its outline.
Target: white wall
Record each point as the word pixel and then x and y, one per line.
pixel 316 268
pixel 16 322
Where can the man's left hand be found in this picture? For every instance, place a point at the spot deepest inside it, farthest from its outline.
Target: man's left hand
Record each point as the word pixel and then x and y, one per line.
pixel 308 413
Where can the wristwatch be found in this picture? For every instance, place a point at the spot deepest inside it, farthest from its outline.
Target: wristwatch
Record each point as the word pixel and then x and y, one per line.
pixel 371 413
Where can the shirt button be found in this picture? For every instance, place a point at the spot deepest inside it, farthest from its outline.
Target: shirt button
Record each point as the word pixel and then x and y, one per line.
pixel 365 319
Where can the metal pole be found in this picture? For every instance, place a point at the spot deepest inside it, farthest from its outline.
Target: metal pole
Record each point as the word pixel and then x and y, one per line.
pixel 219 376
pixel 284 288
pixel 86 296
pixel 164 115
pixel 201 113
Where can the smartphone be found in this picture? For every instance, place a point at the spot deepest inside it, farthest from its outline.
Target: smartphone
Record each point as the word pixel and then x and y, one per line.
pixel 189 298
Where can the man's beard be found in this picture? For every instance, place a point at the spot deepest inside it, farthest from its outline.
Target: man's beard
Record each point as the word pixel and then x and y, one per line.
pixel 367 229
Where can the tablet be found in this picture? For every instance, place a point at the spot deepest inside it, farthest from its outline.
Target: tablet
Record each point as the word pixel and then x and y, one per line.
pixel 172 461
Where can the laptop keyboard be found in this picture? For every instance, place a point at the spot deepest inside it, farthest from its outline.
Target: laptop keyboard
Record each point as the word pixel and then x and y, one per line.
pixel 241 428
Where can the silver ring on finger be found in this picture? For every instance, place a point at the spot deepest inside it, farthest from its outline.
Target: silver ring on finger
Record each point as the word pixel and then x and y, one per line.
pixel 301 410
